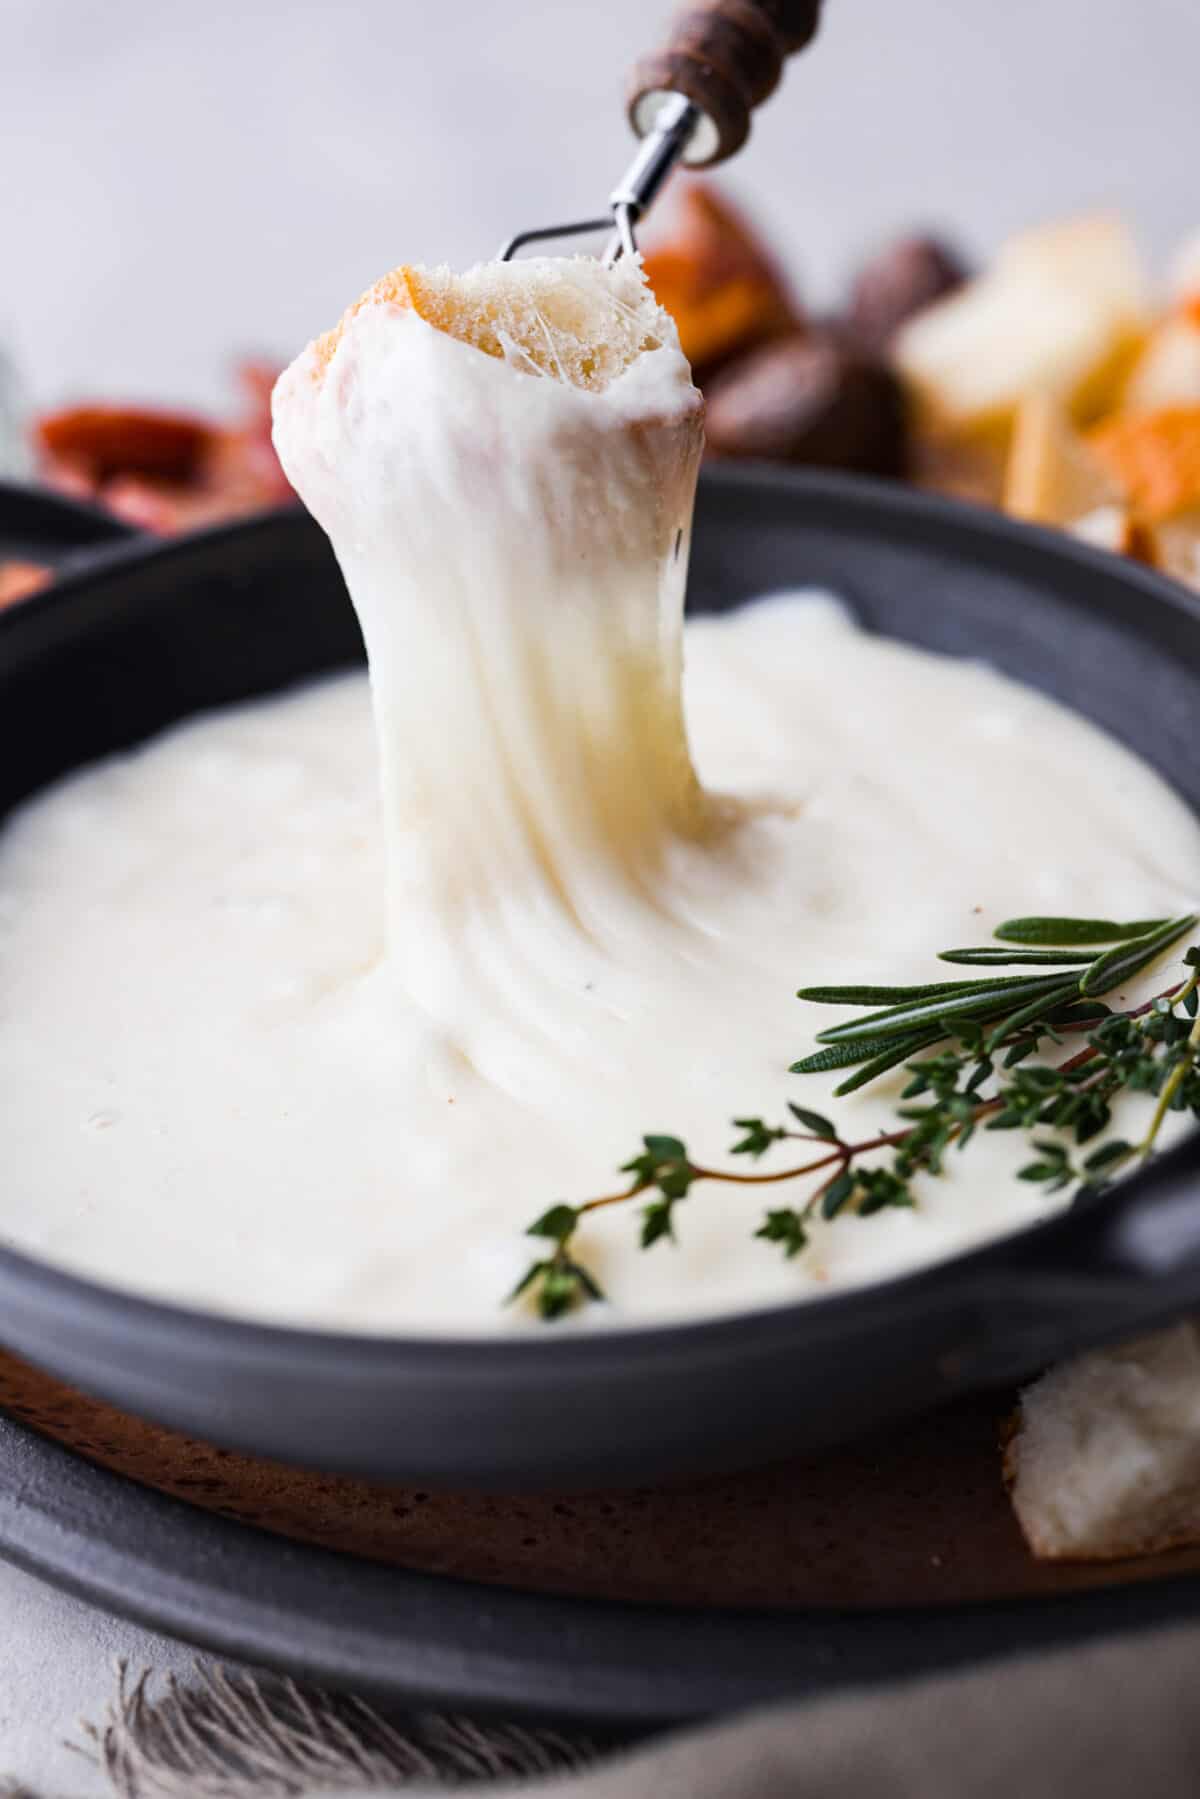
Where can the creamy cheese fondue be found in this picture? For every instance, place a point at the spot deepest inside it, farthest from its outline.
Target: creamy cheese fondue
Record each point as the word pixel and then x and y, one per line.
pixel 306 1011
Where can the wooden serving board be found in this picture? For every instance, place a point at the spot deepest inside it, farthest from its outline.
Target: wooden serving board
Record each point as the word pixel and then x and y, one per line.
pixel 916 1517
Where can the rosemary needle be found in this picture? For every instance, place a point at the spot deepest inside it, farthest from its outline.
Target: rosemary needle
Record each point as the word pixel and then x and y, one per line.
pixel 971 1050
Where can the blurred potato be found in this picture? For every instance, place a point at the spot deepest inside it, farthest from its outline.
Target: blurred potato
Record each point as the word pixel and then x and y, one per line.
pixel 814 399
pixel 1183 276
pixel 1052 476
pixel 1107 528
pixel 1062 311
pixel 1167 370
pixel 963 466
pixel 899 282
pixel 718 282
pixel 1175 546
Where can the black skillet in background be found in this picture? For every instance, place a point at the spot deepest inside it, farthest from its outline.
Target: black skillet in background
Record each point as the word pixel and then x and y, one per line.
pixel 37 525
pixel 148 635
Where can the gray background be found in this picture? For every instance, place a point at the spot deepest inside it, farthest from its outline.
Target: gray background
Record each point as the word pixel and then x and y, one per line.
pixel 177 182
pixel 180 182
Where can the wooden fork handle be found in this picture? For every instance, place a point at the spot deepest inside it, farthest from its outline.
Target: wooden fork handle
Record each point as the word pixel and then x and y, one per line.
pixel 725 56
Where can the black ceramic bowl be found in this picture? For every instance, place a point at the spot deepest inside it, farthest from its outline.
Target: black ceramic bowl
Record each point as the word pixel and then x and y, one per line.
pixel 150 635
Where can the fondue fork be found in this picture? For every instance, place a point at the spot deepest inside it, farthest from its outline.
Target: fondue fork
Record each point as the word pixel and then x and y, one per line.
pixel 690 103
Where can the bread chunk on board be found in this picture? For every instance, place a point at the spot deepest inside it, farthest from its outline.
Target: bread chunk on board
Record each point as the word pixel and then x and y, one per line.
pixel 1104 1459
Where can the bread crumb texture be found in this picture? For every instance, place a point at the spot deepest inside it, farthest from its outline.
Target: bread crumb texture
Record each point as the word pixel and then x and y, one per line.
pixel 566 317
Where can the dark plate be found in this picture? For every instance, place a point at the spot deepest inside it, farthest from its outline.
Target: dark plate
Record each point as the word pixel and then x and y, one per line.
pixel 107 657
pixel 427 1641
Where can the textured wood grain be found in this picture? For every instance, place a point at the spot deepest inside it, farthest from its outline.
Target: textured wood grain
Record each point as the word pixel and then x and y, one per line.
pixel 726 56
pixel 918 1517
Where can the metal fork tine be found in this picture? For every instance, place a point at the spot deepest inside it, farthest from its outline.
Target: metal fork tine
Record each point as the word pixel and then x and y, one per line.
pixel 541 232
pixel 675 124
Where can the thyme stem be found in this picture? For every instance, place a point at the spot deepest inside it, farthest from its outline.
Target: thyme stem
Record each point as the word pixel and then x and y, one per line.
pixel 1175 1081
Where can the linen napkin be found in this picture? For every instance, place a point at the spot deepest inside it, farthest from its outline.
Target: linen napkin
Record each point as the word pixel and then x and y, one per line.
pixel 1116 1719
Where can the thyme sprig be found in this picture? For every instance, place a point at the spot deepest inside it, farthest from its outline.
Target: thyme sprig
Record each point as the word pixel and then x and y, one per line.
pixel 973 1052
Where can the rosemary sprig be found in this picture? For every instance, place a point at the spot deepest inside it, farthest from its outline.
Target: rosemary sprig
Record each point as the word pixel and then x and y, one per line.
pixel 976 1046
pixel 1072 930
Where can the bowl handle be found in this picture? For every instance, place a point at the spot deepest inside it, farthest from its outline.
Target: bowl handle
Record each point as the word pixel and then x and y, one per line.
pixel 1116 1265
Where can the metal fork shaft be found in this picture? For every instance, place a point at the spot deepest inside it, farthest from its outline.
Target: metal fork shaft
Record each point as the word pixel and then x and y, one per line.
pixel 674 127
